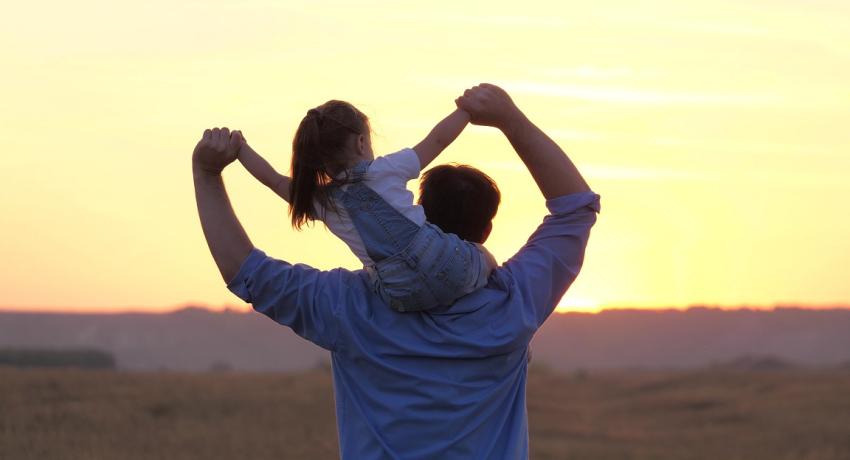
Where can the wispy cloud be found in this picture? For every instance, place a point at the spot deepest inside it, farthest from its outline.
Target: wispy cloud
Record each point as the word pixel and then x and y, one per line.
pixel 630 173
pixel 574 135
pixel 634 95
pixel 521 21
pixel 592 72
pixel 720 26
pixel 557 134
pixel 608 172
pixel 613 94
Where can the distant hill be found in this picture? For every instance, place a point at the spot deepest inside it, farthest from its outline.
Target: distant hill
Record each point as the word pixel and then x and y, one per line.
pixel 192 339
pixel 196 339
pixel 694 337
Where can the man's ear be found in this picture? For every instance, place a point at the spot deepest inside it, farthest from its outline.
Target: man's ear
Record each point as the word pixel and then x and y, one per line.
pixel 362 145
pixel 486 233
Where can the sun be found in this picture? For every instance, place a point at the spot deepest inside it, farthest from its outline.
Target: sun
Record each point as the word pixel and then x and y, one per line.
pixel 578 304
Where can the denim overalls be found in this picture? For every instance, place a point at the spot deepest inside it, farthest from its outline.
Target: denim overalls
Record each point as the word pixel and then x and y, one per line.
pixel 415 268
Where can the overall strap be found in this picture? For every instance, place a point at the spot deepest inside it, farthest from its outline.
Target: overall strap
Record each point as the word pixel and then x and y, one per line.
pixel 383 229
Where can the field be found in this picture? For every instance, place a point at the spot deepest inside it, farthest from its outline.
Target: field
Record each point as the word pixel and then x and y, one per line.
pixel 66 414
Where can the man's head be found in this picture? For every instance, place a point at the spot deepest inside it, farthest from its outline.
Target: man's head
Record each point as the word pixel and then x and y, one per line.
pixel 461 200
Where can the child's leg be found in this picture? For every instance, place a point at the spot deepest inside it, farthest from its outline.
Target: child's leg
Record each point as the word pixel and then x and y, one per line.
pixel 415 268
pixel 435 270
pixel 382 229
pixel 488 264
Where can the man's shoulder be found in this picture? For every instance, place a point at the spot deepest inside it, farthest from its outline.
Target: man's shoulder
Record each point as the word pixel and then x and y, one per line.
pixel 259 264
pixel 354 278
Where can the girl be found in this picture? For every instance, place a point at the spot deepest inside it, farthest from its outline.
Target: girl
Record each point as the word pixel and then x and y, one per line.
pixel 413 265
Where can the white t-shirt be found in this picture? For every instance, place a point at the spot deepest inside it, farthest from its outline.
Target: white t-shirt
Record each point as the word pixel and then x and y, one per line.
pixel 387 176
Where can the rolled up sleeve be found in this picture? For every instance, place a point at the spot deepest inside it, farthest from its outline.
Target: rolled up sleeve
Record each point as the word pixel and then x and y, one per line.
pixel 298 296
pixel 550 261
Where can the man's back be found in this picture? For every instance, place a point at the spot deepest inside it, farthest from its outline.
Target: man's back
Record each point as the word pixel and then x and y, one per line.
pixel 439 384
pixel 446 383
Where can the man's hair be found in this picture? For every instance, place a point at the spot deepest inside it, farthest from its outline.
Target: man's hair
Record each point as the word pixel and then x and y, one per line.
pixel 459 199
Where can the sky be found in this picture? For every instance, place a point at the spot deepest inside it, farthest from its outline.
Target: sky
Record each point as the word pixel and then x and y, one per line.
pixel 715 132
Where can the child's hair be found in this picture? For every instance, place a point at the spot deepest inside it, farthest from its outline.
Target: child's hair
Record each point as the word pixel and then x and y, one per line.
pixel 319 153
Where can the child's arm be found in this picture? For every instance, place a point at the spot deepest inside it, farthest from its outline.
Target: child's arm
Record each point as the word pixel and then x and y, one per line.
pixel 441 136
pixel 263 171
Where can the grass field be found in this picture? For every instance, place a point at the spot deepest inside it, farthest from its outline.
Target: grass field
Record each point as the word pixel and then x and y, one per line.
pixel 65 414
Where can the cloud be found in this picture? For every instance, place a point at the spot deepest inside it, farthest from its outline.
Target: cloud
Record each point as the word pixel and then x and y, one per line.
pixel 631 173
pixel 723 25
pixel 511 20
pixel 608 172
pixel 610 93
pixel 592 72
pixel 633 95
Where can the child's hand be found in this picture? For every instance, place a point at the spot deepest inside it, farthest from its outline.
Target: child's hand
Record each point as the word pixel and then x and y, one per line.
pixel 237 142
pixel 488 105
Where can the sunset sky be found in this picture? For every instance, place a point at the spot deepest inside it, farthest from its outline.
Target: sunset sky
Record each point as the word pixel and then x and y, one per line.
pixel 716 132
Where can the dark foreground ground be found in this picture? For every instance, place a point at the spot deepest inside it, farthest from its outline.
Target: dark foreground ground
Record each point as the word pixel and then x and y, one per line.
pixel 617 415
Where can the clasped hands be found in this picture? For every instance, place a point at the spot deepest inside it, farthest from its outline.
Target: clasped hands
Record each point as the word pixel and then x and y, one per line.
pixel 486 104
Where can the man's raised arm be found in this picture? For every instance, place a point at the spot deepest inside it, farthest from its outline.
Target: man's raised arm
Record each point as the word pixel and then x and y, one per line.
pixel 227 240
pixel 303 298
pixel 550 261
pixel 553 171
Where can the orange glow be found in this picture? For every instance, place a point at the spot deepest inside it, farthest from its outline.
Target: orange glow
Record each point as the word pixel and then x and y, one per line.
pixel 573 304
pixel 715 133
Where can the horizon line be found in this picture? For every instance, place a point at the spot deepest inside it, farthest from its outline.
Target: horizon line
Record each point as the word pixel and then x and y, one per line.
pixel 558 310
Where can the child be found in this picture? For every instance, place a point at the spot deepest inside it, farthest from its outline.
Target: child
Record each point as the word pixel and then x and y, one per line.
pixel 413 265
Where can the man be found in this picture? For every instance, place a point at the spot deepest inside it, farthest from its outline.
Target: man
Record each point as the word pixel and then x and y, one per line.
pixel 445 383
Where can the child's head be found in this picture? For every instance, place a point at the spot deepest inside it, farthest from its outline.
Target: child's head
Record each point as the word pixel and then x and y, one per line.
pixel 330 139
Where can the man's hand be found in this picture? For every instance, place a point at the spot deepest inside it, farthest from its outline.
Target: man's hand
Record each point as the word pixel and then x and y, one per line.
pixel 554 173
pixel 488 105
pixel 216 149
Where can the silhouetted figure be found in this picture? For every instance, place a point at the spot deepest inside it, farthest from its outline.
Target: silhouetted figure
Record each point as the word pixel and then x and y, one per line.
pixel 447 382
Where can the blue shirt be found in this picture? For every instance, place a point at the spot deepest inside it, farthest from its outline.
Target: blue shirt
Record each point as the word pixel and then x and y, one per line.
pixel 446 383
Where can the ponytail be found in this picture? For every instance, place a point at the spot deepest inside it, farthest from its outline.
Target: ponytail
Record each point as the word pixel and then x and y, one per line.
pixel 318 153
pixel 306 172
